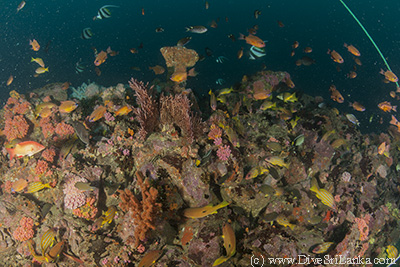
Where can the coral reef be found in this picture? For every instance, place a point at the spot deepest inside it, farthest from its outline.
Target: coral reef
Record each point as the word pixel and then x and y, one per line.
pixel 286 174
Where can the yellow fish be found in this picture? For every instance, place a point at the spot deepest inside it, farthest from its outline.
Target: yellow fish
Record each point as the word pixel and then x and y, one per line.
pixel 201 212
pixel 325 196
pixel 278 161
pixel 97 114
pixel 44 105
pixel 38 61
pixel 392 252
pixel 225 91
pixel 282 220
pixel 123 111
pixel 41 70
pixel 67 106
pixel 36 186
pixel 47 240
pixel 229 244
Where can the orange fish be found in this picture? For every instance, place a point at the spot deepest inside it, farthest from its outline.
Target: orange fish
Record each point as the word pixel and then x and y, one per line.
pixel 35 45
pixel 100 58
pixel 27 148
pixel 179 77
pixel 142 11
pixel 111 52
pixel 390 76
pixel 213 24
pixel 386 106
pixel 352 50
pixel 10 80
pixel 98 71
pixel 97 114
pixel 382 148
pixel 67 106
pixel 253 40
pixel 393 94
pixel 395 122
pixel 201 212
pixel 352 75
pixel 280 24
pixel 150 258
pixel 358 61
pixel 307 50
pixel 65 85
pixel 357 106
pixel 335 94
pixel 295 44
pixel 123 110
pixel 335 56
pixel 292 54
pixel 157 69
pixel 240 53
pixel 19 185
pixel 134 50
pixel 289 83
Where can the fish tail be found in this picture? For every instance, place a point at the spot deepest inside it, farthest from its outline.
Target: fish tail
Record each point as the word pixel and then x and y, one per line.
pixel 291 226
pixel 11 152
pixel 241 36
pixel 188 28
pixel 32 59
pixel 220 260
pixel 314 185
pixel 222 204
pixel 393 121
pixel 394 108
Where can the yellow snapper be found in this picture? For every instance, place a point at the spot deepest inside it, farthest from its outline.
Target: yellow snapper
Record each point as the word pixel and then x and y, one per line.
pixel 201 212
pixel 325 196
pixel 267 105
pixel 256 171
pixel 36 186
pixel 229 244
pixel 43 106
pixel 47 240
pixel 41 70
pixel 39 61
pixel 277 161
pixel 392 252
pixel 282 220
pixel 225 91
pixel 288 97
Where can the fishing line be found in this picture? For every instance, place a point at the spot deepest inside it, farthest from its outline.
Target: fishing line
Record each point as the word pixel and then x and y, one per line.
pixel 369 36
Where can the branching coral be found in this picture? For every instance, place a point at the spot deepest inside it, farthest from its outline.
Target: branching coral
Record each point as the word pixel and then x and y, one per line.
pixel 176 110
pixel 147 112
pixel 144 212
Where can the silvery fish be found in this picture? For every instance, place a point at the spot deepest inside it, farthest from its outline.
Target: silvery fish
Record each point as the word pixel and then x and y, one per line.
pixel 196 29
pixel 353 119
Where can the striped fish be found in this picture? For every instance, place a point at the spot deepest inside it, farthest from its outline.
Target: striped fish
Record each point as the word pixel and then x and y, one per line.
pixel 109 214
pixel 256 52
pixel 86 33
pixel 325 196
pixel 282 220
pixel 392 252
pixel 36 186
pixel 104 12
pixel 47 240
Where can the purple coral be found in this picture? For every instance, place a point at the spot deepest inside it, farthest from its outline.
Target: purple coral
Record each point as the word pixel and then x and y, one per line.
pixel 223 152
pixel 73 197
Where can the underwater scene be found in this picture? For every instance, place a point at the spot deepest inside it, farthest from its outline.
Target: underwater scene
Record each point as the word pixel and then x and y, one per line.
pixel 199 133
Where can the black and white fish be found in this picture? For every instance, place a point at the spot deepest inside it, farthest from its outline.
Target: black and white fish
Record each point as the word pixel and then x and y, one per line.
pixel 104 12
pixel 256 52
pixel 79 67
pixel 86 33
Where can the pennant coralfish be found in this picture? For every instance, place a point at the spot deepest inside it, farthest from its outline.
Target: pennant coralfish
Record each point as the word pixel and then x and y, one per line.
pixel 204 211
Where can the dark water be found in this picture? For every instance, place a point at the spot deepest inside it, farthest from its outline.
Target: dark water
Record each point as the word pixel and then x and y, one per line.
pixel 318 24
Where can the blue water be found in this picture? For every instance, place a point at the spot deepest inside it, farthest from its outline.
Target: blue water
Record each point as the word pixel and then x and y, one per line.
pixel 318 24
